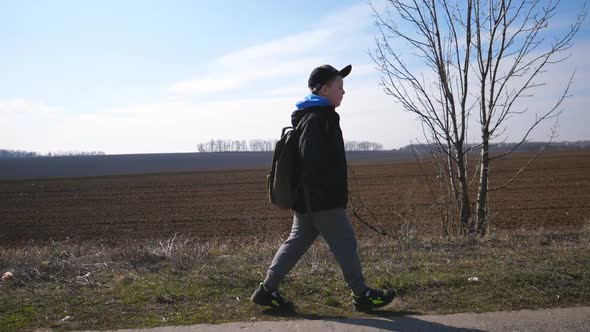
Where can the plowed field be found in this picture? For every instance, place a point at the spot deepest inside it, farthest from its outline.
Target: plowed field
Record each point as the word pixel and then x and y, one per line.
pixel 554 193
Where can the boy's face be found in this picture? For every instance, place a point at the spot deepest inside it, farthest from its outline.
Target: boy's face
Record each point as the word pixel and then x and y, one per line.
pixel 333 91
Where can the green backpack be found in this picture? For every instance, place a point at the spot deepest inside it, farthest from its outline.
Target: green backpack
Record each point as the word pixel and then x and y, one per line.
pixel 284 178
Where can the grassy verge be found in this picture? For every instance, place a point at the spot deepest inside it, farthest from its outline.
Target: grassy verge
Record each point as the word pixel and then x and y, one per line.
pixel 180 281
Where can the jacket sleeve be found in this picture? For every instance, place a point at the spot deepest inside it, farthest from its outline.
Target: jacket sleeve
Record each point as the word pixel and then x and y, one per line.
pixel 311 147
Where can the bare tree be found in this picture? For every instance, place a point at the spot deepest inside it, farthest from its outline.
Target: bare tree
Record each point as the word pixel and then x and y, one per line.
pixel 483 56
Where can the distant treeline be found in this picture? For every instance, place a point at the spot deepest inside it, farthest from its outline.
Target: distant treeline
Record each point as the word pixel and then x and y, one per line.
pixel 257 145
pixel 222 145
pixel 268 145
pixel 10 154
pixel 362 146
pixel 524 147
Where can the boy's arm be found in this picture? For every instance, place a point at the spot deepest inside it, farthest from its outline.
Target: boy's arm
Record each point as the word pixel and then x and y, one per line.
pixel 310 147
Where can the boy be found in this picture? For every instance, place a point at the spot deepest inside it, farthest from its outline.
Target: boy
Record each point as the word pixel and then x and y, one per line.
pixel 321 205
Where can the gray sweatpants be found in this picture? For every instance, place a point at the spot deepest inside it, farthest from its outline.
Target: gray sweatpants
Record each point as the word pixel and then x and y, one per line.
pixel 336 229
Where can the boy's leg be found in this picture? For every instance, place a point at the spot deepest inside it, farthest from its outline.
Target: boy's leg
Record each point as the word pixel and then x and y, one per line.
pixel 303 234
pixel 336 229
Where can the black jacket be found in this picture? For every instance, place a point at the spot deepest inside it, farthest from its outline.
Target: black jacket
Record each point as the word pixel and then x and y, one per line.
pixel 324 169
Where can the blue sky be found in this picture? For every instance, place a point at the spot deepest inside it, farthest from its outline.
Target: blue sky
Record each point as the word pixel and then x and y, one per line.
pixel 163 76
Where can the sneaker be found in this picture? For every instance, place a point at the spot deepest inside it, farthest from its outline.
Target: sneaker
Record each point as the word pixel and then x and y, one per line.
pixel 272 299
pixel 373 298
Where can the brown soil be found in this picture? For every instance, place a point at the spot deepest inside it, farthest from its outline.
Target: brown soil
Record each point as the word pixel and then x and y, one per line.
pixel 554 193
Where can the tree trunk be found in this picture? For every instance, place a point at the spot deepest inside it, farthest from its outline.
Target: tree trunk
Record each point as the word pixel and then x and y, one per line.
pixel 450 174
pixel 463 201
pixel 482 191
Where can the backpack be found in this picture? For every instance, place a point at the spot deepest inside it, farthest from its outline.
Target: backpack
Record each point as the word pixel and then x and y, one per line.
pixel 284 178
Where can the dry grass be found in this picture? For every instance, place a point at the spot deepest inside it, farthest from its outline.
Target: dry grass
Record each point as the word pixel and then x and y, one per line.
pixel 180 280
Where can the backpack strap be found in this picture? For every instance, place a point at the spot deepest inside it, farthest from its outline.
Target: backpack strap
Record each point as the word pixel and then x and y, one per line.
pixel 285 129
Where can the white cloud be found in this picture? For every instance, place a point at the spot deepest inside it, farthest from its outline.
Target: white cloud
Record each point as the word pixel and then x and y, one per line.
pixel 288 57
pixel 283 47
pixel 364 69
pixel 352 19
pixel 293 90
pixel 172 126
pixel 233 78
pixel 207 85
pixel 22 106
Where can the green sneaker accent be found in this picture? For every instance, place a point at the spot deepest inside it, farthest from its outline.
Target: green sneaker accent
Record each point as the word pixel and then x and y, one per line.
pixel 372 299
pixel 275 303
pixel 377 301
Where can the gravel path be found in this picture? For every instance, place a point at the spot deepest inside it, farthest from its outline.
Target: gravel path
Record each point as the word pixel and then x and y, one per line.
pixel 558 319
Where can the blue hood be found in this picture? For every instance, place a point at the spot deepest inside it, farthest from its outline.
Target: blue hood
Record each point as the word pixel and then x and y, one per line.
pixel 312 100
pixel 313 104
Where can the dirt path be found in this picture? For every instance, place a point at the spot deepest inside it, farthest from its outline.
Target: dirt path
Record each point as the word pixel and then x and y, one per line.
pixel 559 319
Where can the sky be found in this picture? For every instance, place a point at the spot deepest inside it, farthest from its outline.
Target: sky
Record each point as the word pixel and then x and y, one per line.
pixel 152 76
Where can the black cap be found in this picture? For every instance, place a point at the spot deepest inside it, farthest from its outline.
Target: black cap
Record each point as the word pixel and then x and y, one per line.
pixel 323 74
